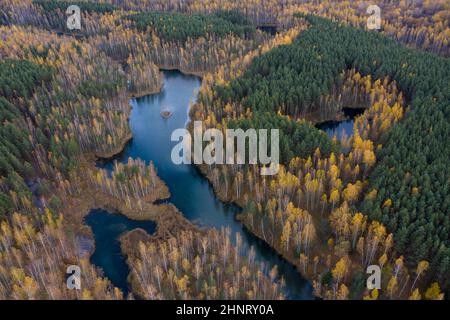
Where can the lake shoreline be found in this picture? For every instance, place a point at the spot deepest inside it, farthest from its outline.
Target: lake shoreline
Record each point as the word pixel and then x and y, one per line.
pixel 168 225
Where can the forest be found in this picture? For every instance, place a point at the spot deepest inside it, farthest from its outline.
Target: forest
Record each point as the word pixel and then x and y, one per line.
pixel 51 5
pixel 297 139
pixel 378 196
pixel 180 27
pixel 209 266
pixel 418 213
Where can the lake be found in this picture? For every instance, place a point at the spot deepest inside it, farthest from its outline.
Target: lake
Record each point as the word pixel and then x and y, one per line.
pixel 344 127
pixel 190 192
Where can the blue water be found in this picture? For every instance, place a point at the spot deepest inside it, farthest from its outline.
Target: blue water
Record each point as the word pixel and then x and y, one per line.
pixel 341 128
pixel 107 228
pixel 190 192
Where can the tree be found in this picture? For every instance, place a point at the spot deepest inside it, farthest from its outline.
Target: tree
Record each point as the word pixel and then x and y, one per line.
pixel 340 269
pixel 434 292
pixel 421 267
pixel 392 287
pixel 343 292
pixel 415 295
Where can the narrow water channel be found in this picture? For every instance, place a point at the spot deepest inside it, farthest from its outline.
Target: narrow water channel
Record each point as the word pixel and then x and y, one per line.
pixel 190 191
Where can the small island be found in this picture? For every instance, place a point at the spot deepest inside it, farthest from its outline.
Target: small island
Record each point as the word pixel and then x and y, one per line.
pixel 166 114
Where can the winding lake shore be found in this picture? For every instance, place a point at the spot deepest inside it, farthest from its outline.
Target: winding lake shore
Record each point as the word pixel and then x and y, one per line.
pixel 167 216
pixel 190 192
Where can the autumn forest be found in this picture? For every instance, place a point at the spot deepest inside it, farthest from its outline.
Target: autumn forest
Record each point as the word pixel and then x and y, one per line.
pixel 376 194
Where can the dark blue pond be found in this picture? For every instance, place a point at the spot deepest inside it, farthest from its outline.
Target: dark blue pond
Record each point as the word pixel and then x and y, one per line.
pixel 341 128
pixel 190 192
pixel 107 228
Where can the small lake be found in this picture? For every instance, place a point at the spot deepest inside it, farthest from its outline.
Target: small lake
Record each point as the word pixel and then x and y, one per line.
pixel 190 192
pixel 341 128
pixel 270 29
pixel 107 227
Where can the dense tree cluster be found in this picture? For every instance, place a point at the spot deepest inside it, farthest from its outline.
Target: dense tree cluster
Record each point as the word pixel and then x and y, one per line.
pixel 89 6
pixel 201 266
pixel 233 16
pixel 143 75
pixel 379 196
pixel 65 99
pixel 179 27
pixel 41 110
pixel 14 143
pixel 297 138
pixel 34 255
pixel 19 77
pixel 419 24
pixel 419 219
pixel 419 226
pixel 133 182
